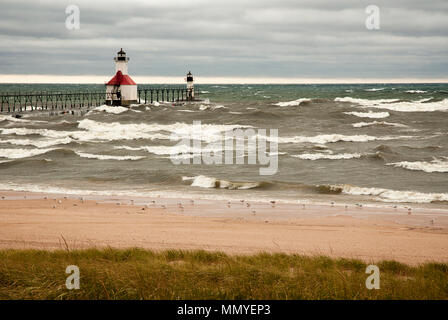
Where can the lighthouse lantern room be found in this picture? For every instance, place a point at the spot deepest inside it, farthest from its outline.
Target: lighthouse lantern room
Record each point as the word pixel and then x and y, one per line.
pixel 121 90
pixel 190 86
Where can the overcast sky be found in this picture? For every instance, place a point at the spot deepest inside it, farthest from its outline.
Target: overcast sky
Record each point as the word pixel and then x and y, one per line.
pixel 259 38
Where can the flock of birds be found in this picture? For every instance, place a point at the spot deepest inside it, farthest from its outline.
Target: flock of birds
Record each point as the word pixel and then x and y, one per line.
pixel 181 206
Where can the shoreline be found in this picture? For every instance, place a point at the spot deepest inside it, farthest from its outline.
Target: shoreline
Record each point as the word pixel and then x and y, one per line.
pixel 29 221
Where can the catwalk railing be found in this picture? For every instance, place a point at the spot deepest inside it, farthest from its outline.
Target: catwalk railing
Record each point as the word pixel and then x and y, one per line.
pixel 19 102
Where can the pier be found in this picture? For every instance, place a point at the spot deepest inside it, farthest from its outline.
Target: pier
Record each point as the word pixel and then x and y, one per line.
pixel 21 102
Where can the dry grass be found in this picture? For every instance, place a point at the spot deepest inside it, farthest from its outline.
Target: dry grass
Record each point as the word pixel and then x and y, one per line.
pixel 174 274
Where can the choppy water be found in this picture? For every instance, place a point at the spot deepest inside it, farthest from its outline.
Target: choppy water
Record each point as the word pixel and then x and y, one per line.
pixel 383 142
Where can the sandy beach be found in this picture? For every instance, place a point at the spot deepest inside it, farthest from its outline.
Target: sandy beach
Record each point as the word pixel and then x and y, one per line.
pixel 41 221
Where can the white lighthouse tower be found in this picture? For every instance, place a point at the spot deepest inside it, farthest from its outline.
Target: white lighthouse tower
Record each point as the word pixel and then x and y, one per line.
pixel 121 90
pixel 190 86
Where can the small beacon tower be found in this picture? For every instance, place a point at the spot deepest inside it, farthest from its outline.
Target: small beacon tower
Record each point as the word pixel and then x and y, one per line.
pixel 121 90
pixel 190 86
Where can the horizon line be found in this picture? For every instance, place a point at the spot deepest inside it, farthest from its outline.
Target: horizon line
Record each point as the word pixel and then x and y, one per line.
pixel 98 79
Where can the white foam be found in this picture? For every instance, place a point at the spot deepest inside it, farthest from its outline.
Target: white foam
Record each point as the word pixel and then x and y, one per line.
pixel 117 131
pixel 204 182
pixel 366 102
pixel 107 157
pixel 388 195
pixel 378 123
pixel 292 103
pixel 111 109
pixel 330 138
pixel 403 106
pixel 203 107
pixel 416 91
pixel 370 114
pixel 12 119
pixel 22 153
pixel 42 132
pixel 374 89
pixel 38 143
pixel 325 156
pixel 177 151
pixel 211 182
pixel 436 165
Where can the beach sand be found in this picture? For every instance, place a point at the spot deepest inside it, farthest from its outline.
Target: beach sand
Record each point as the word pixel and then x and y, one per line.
pixel 370 233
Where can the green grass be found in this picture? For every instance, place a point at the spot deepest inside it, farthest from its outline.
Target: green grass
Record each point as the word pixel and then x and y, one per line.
pixel 174 274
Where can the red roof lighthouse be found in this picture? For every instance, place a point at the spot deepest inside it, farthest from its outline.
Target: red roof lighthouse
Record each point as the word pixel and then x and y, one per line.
pixel 121 79
pixel 121 89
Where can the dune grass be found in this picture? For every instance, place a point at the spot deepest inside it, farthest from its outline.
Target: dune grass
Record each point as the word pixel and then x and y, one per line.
pixel 175 274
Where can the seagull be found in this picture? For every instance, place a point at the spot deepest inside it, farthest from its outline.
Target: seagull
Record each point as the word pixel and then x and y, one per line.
pixel 303 206
pixel 192 202
pixel 409 211
pixel 272 202
pixel 346 207
pixel 332 203
pixel 59 201
pixel 163 206
pixel 248 204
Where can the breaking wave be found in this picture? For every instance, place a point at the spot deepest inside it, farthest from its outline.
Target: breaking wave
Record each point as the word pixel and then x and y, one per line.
pixel 118 131
pixel 370 114
pixel 416 91
pixel 331 138
pixel 436 165
pixel 424 105
pixel 22 153
pixel 292 103
pixel 387 195
pixel 378 123
pixel 107 157
pixel 324 156
pixel 110 109
pixel 38 143
pixel 211 182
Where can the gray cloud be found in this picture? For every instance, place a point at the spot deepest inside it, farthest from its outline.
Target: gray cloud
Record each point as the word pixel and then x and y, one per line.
pixel 320 39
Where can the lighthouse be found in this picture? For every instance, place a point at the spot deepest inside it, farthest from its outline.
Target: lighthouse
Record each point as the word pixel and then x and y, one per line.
pixel 121 90
pixel 190 86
